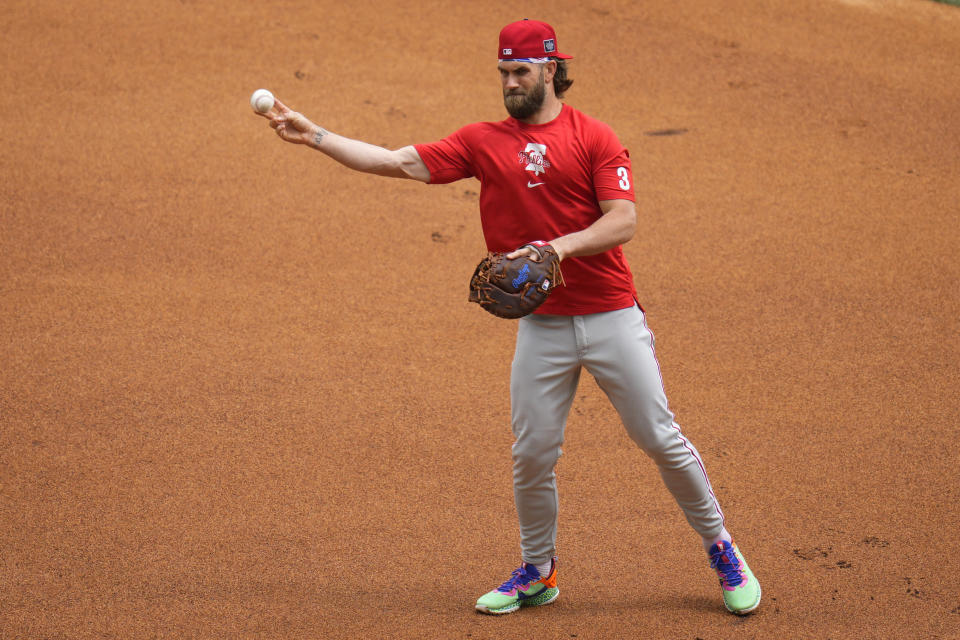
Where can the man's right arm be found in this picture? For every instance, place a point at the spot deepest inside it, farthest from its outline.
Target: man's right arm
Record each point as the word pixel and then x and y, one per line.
pixel 360 156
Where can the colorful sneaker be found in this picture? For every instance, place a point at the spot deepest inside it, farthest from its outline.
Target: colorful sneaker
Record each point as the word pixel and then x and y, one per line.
pixel 525 588
pixel 741 591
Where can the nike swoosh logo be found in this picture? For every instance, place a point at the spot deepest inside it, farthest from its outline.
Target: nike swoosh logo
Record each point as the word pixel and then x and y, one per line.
pixel 524 595
pixel 534 184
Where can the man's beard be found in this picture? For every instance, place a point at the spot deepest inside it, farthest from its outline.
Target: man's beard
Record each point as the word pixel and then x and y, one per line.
pixel 523 105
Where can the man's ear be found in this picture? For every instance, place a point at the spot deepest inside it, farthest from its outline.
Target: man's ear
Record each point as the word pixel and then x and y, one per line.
pixel 549 70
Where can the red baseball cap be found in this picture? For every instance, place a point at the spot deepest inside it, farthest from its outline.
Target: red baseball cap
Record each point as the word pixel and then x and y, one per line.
pixel 529 41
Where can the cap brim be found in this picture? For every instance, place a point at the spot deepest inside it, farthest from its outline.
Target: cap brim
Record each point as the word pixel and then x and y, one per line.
pixel 561 56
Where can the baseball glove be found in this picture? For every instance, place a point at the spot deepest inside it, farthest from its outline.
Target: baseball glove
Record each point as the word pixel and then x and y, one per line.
pixel 515 288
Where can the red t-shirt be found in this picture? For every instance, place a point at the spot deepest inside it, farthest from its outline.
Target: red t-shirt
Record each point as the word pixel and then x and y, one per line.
pixel 538 182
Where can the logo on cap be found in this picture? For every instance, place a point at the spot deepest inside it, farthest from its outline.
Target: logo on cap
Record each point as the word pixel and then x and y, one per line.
pixel 549 46
pixel 508 52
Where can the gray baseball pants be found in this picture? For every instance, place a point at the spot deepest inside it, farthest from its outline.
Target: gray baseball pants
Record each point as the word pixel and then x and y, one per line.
pixel 616 347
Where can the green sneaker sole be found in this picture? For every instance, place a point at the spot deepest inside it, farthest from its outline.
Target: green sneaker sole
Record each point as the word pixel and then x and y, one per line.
pixel 546 597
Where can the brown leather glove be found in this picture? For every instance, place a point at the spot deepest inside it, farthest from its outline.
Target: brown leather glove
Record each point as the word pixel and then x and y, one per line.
pixel 515 288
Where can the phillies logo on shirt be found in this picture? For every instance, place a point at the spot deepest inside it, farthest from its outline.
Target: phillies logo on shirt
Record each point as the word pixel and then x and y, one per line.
pixel 533 157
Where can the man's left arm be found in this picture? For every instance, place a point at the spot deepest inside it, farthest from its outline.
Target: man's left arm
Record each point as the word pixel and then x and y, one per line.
pixel 614 227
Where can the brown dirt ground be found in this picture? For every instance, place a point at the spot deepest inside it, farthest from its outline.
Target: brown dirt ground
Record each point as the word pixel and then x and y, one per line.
pixel 231 408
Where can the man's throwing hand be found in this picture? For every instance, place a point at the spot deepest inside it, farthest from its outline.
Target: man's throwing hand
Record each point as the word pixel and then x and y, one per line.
pixel 290 125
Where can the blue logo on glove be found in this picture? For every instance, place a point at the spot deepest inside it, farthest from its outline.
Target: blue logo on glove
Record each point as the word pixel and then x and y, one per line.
pixel 522 276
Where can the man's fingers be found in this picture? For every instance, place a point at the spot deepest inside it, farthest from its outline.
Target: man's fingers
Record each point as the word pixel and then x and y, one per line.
pixel 281 116
pixel 297 119
pixel 287 124
pixel 281 122
pixel 523 251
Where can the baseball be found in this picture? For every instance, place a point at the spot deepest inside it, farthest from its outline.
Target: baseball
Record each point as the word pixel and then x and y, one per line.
pixel 261 100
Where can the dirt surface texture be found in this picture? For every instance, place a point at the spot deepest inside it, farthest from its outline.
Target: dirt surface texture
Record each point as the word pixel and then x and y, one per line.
pixel 243 394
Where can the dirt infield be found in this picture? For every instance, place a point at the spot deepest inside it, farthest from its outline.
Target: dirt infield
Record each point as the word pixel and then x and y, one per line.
pixel 227 409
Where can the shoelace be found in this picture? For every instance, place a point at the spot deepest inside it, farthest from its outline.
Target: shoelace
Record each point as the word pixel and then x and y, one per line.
pixel 518 577
pixel 727 566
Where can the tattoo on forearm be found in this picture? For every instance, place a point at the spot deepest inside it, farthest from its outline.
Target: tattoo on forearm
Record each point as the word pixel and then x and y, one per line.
pixel 321 132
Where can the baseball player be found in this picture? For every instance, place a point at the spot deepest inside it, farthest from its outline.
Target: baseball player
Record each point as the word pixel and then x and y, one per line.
pixel 551 174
